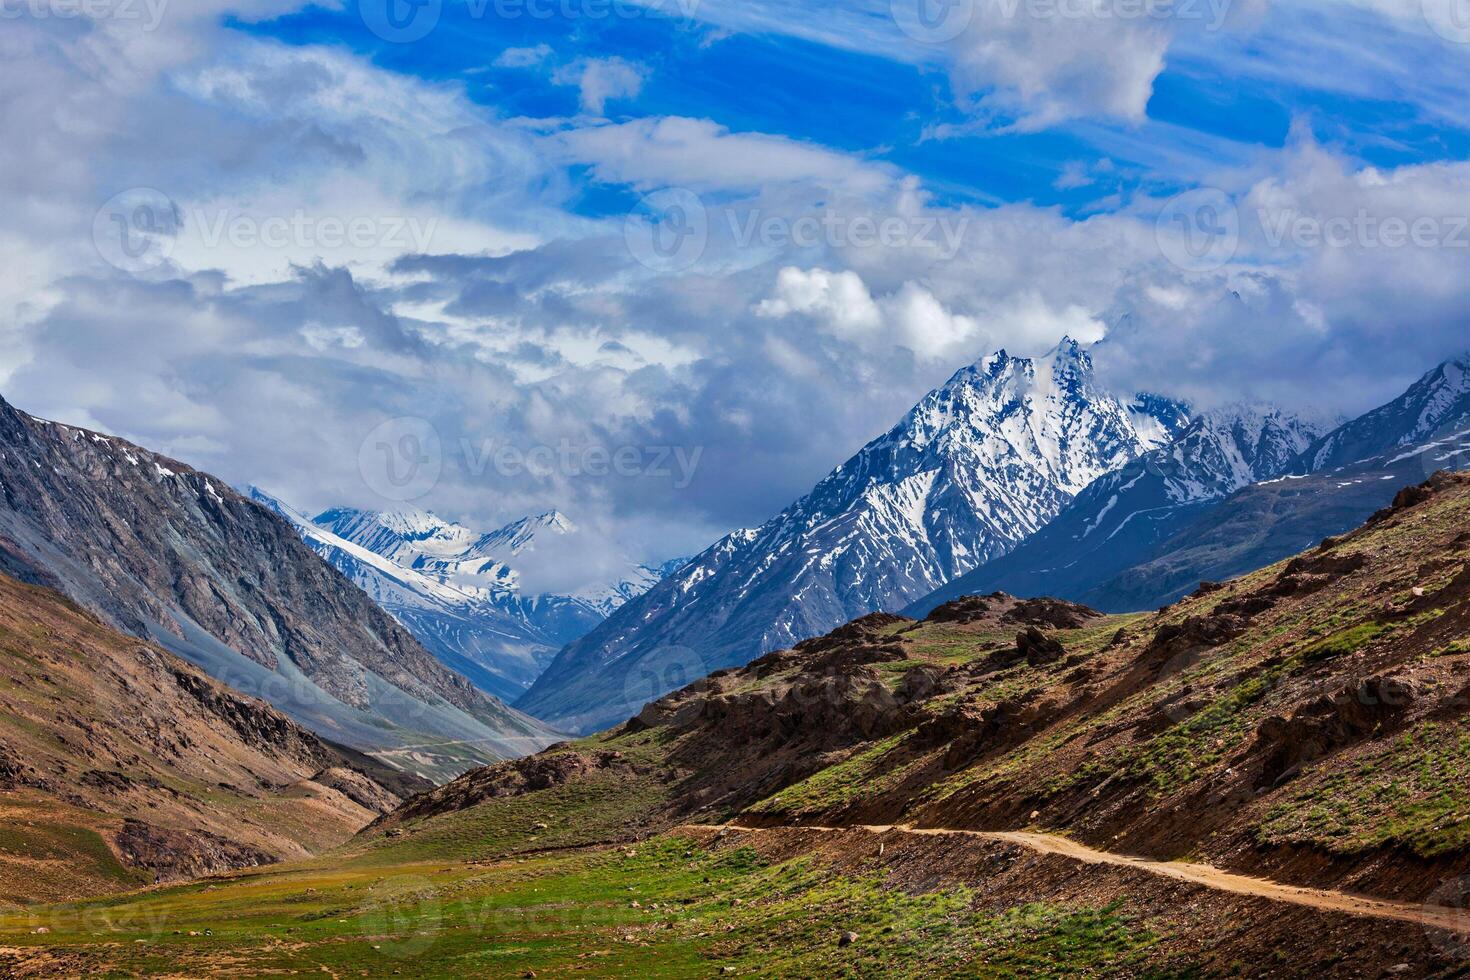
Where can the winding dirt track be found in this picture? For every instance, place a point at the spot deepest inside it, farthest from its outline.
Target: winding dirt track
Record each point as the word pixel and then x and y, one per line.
pixel 1451 919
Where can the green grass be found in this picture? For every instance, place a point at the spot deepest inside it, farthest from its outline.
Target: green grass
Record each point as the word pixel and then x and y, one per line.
pixel 1413 792
pixel 83 849
pixel 1177 755
pixel 1453 648
pixel 598 808
pixel 867 774
pixel 665 908
pixel 1039 940
pixel 1346 641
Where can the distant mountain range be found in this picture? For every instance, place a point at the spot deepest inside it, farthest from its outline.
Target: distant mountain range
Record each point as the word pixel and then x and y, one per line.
pixel 1021 475
pixel 1229 497
pixel 456 591
pixel 1018 475
pixel 976 467
pixel 166 553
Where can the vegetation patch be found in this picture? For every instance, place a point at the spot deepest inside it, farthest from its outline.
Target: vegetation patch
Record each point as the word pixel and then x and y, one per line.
pixel 667 907
pixel 1344 642
pixel 865 775
pixel 1412 793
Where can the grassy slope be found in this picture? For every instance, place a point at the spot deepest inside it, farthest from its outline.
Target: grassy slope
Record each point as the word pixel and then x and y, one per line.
pixel 1125 745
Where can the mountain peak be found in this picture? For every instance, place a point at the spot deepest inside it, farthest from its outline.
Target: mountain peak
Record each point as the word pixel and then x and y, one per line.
pixel 971 470
pixel 515 537
pixel 553 520
pixel 1067 347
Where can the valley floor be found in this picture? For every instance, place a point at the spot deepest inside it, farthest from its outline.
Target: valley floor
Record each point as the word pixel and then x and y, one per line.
pixel 705 901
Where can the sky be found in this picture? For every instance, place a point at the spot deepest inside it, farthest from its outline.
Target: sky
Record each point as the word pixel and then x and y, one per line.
pixel 663 264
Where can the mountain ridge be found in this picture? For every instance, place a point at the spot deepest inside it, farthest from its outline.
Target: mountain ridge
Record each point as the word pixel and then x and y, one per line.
pixel 1150 532
pixel 971 470
pixel 170 554
pixel 453 588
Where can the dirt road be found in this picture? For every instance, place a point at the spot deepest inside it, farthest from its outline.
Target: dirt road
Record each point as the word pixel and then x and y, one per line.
pixel 1454 920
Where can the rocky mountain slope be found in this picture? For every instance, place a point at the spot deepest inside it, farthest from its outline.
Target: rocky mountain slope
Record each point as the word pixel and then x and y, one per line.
pixel 1234 492
pixel 975 468
pixel 456 591
pixel 121 765
pixel 163 552
pixel 1273 771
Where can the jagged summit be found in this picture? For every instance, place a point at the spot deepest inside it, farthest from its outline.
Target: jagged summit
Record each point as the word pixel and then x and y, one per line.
pixel 1242 485
pixel 517 536
pixel 1229 447
pixel 390 533
pixel 976 466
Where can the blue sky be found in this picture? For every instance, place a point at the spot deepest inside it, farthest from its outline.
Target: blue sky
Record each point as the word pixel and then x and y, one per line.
pixel 251 233
pixel 1222 96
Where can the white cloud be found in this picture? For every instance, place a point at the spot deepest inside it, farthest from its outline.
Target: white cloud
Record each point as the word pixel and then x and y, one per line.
pixel 839 300
pixel 534 325
pixel 839 303
pixel 601 80
pixel 523 57
pixel 1042 69
pixel 925 327
pixel 701 154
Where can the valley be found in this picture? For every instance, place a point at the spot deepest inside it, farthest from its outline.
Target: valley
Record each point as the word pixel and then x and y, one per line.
pixel 735 488
pixel 1268 776
pixel 172 556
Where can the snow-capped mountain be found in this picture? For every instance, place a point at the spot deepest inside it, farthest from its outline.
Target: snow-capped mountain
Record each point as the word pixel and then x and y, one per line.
pixel 481 564
pixel 977 466
pixel 1437 404
pixel 1225 499
pixel 452 588
pixel 1124 514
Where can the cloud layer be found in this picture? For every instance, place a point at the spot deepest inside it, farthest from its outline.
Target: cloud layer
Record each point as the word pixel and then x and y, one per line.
pixel 663 323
